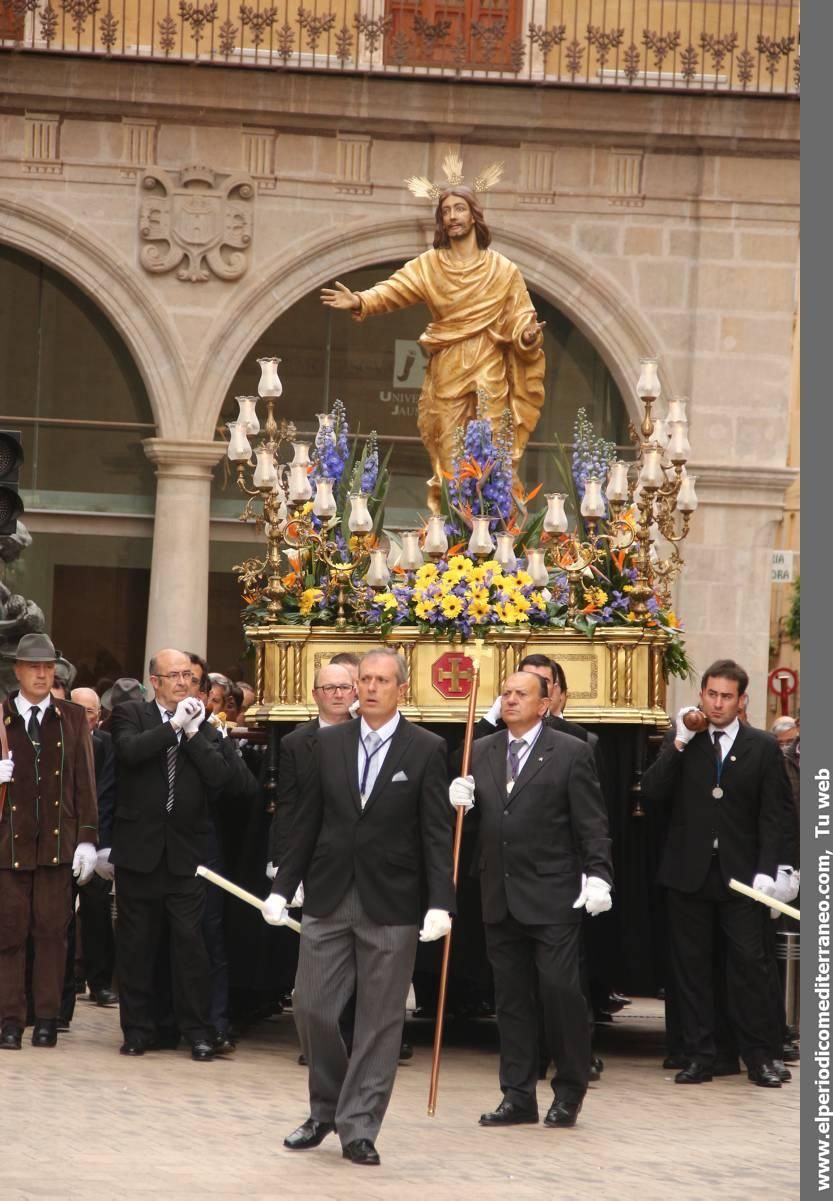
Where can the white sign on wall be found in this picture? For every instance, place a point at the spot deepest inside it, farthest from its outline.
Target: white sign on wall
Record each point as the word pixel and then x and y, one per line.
pixel 782 567
pixel 409 362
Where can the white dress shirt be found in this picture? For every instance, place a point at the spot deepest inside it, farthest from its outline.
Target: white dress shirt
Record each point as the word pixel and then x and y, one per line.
pixel 729 733
pixel 385 732
pixel 529 739
pixel 24 707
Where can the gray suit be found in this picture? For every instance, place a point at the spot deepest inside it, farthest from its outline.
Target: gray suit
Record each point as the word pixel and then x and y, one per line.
pixel 368 874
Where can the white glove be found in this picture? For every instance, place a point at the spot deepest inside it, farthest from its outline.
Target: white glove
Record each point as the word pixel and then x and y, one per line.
pixel 354 707
pixel 190 729
pixel 461 792
pixel 184 711
pixel 6 769
pixel 297 901
pixel 271 870
pixel 765 884
pixel 683 734
pixel 274 910
pixel 103 866
pixel 594 895
pixel 84 861
pixel 787 884
pixel 437 924
pixel 493 715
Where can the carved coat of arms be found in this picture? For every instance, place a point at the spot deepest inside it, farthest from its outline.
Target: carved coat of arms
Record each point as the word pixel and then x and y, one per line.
pixel 201 224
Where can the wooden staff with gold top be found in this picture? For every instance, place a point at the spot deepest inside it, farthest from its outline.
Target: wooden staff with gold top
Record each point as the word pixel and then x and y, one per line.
pixel 458 836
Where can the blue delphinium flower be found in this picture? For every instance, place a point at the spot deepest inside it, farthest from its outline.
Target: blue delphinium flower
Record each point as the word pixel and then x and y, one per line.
pixel 592 455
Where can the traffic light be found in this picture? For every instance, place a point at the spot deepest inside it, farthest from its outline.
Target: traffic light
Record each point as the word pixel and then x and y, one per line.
pixel 11 457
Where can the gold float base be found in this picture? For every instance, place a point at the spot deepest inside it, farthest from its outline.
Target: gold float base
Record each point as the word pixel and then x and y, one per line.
pixel 613 677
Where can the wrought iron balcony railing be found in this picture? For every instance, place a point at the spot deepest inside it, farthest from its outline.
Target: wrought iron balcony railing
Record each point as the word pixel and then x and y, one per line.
pixel 737 46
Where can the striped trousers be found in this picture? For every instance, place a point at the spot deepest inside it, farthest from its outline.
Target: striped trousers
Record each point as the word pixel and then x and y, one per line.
pixel 340 953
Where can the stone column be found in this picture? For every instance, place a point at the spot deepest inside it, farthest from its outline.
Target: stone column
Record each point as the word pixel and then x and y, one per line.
pixel 178 602
pixel 724 594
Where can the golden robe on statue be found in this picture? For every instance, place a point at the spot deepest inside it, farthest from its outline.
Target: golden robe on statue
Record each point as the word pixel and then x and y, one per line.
pixel 478 315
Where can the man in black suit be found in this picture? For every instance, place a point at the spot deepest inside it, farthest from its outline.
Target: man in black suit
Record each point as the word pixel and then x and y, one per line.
pixel 543 856
pixel 725 784
pixel 553 673
pixel 333 692
pixel 97 943
pixel 371 835
pixel 168 765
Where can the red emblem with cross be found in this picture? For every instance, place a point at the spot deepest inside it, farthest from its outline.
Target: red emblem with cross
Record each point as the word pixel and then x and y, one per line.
pixel 452 675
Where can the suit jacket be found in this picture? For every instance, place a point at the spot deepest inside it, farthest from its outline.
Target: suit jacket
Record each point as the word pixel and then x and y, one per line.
pixel 748 820
pixel 46 831
pixel 297 750
pixel 535 842
pixel 396 848
pixel 104 760
pixel 143 830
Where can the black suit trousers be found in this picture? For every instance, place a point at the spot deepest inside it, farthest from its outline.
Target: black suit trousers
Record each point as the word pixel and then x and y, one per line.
pixel 145 899
pixel 691 918
pixel 530 962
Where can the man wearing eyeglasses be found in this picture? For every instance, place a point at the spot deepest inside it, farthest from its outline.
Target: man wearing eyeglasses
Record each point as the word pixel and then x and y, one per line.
pixel 168 766
pixel 333 691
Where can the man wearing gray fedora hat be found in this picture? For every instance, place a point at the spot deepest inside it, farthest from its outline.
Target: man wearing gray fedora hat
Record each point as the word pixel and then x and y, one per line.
pixel 48 828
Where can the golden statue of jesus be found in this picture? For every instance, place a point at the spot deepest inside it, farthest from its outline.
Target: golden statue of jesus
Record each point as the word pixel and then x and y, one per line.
pixel 484 332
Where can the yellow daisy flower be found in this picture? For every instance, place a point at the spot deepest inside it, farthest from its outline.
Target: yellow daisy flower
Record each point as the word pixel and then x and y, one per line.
pixel 424 610
pixel 459 563
pixel 452 606
pixel 478 609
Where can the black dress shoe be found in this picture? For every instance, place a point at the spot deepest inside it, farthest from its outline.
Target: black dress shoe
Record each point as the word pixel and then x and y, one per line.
pixel 406 1053
pixel 562 1113
pixel 105 997
pixel 308 1135
pixel 696 1073
pixel 726 1067
pixel 782 1071
pixel 594 1075
pixel 361 1151
pixel 63 1025
pixel 598 1063
pixel 765 1075
pixel 129 1047
pixel 791 1053
pixel 223 1045
pixel 45 1033
pixel 673 1063
pixel 11 1037
pixel 510 1114
pixel 201 1051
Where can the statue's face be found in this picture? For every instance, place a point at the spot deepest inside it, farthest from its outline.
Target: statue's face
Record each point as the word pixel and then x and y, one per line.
pixel 457 216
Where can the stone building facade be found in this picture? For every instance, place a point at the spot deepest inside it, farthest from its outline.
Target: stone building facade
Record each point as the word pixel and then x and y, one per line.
pixel 195 206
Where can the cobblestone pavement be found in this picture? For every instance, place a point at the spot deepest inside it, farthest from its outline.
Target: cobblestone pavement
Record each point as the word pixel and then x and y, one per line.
pixel 81 1122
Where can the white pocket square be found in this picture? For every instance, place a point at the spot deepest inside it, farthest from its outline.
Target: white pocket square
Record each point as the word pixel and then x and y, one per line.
pixel 399 778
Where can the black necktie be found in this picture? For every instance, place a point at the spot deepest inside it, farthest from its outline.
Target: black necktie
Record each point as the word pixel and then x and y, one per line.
pixel 33 728
pixel 171 753
pixel 718 752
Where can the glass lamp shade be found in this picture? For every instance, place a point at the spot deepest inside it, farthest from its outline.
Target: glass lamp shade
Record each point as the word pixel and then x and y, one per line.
pixel 359 521
pixel 651 475
pixel 687 497
pixel 505 552
pixel 265 475
pixel 555 519
pixel 325 422
pixel 678 447
pixel 617 482
pixel 676 411
pixel 435 541
pixel 480 542
pixel 324 504
pixel 247 414
pixel 239 450
pixel 411 557
pixel 592 504
pixel 300 489
pixel 660 433
pixel 300 454
pixel 378 573
pixel 537 568
pixel 269 384
pixel 394 555
pixel 648 383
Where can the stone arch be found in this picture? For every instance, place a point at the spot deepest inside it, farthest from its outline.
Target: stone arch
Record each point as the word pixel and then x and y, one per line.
pixel 595 303
pixel 47 235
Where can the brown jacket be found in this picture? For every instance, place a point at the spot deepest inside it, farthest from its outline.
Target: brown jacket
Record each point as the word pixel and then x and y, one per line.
pixel 50 806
